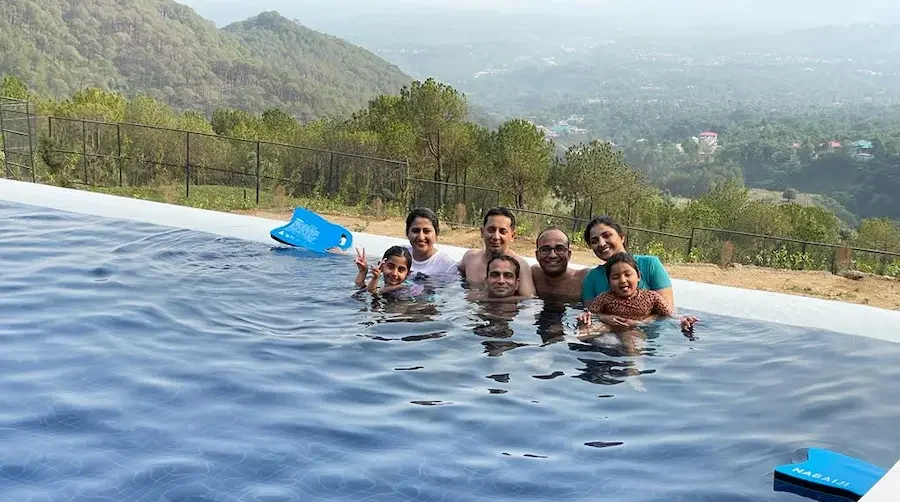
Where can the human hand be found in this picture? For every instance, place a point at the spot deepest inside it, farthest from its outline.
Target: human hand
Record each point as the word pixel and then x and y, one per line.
pixel 377 269
pixel 687 322
pixel 618 322
pixel 584 319
pixel 360 261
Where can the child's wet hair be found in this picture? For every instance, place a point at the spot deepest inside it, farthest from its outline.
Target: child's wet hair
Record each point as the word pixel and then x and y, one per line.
pixel 622 257
pixel 401 252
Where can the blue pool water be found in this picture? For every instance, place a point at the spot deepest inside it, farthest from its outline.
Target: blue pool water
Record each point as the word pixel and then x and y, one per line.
pixel 143 363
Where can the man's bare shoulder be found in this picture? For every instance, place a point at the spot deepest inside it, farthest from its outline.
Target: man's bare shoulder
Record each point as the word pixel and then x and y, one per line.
pixel 470 255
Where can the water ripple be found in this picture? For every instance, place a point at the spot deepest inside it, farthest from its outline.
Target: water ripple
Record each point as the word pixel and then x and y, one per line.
pixel 147 363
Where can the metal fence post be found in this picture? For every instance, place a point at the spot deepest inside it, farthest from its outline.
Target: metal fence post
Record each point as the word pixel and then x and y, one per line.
pixel 187 164
pixel 405 181
pixel 119 151
pixel 690 244
pixel 84 151
pixel 5 154
pixel 257 172
pixel 30 139
pixel 331 174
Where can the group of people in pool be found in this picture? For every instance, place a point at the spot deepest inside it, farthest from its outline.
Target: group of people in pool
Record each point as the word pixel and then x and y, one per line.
pixel 622 293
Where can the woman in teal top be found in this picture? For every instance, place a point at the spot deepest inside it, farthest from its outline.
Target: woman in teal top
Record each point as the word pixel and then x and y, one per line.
pixel 605 237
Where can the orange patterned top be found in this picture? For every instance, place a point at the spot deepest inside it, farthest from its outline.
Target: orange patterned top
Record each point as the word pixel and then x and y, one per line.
pixel 640 306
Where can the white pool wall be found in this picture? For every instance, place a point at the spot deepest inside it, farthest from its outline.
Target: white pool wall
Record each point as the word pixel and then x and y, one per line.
pixel 887 489
pixel 846 318
pixel 793 310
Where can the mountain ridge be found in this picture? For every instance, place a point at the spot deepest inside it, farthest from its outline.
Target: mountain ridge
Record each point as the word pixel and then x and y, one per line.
pixel 167 51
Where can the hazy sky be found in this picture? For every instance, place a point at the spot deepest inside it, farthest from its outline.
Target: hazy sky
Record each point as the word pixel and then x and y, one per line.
pixel 756 15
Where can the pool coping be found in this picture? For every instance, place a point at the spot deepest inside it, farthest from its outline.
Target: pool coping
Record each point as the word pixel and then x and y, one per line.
pixel 766 306
pixel 725 300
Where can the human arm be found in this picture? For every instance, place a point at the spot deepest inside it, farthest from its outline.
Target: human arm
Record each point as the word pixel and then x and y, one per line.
pixel 668 296
pixel 595 307
pixel 658 280
pixel 462 263
pixel 526 280
pixel 373 282
pixel 662 307
pixel 600 308
pixel 363 267
pixel 589 289
pixel 452 266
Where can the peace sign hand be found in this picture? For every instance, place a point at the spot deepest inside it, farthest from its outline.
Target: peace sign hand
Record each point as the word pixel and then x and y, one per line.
pixel 361 263
pixel 376 270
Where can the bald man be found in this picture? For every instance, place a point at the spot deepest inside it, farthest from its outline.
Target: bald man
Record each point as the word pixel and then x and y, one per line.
pixel 552 276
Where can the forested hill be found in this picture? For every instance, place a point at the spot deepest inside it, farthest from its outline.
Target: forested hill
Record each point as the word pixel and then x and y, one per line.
pixel 166 50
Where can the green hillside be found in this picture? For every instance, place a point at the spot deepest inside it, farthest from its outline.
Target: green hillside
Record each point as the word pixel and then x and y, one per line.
pixel 164 49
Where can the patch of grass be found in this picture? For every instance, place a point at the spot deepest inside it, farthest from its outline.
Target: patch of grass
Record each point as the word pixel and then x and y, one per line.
pixel 229 198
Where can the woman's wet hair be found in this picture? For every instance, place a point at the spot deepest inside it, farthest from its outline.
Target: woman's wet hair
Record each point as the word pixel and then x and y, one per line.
pixel 620 258
pixel 601 220
pixel 401 252
pixel 423 212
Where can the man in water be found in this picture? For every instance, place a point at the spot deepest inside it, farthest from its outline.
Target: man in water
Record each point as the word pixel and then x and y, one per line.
pixel 502 277
pixel 498 231
pixel 552 276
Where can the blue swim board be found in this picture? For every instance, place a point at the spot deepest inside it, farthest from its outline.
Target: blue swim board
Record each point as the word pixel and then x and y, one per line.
pixel 310 231
pixel 831 473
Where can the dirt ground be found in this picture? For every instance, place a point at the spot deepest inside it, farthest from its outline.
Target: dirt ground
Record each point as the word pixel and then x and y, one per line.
pixel 875 291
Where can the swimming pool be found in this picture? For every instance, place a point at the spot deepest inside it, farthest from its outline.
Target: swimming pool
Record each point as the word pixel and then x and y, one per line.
pixel 151 363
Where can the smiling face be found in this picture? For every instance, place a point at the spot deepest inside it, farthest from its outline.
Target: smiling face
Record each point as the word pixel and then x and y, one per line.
pixel 502 280
pixel 623 279
pixel 395 270
pixel 605 241
pixel 553 252
pixel 422 237
pixel 497 234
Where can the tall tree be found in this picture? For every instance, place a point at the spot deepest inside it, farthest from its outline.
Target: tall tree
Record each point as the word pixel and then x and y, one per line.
pixel 522 161
pixel 436 112
pixel 594 176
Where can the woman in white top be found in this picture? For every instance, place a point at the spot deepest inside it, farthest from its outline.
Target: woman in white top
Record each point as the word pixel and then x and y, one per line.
pixel 422 230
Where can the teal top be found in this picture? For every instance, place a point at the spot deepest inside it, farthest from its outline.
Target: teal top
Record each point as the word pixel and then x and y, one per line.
pixel 653 277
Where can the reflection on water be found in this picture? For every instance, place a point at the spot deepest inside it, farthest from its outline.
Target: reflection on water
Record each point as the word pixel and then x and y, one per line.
pixel 181 366
pixel 506 326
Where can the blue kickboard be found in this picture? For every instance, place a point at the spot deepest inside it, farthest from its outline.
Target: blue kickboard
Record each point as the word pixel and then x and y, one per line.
pixel 310 231
pixel 832 473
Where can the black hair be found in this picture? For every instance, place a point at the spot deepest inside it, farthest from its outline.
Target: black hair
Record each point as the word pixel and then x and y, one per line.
pixel 620 258
pixel 502 257
pixel 500 211
pixel 401 252
pixel 544 231
pixel 601 220
pixel 423 212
